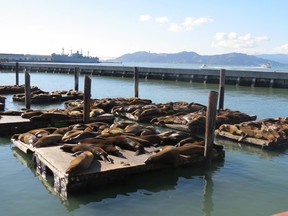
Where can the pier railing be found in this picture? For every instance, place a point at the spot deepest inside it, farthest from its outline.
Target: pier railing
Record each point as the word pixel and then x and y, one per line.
pixel 206 75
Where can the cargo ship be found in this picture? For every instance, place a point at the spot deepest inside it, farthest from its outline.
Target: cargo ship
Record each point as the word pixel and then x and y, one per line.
pixel 73 58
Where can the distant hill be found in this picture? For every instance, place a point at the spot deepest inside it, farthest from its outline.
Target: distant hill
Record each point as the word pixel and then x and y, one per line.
pixel 282 58
pixel 194 58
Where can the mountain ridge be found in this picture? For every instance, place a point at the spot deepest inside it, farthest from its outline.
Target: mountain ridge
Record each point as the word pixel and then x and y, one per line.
pixel 194 58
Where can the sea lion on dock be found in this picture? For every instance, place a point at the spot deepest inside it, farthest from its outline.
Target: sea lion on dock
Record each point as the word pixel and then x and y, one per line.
pixel 27 138
pixel 107 146
pixel 127 143
pixel 190 150
pixel 39 132
pixel 48 140
pixel 98 152
pixel 74 136
pixel 80 163
pixel 167 155
pixel 147 140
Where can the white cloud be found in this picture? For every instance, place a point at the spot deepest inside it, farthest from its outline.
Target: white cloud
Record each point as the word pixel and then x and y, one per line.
pixel 145 18
pixel 162 19
pixel 191 22
pixel 237 42
pixel 282 49
pixel 174 27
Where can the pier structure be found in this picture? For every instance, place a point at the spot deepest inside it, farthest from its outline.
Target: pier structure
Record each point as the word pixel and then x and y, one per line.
pixel 201 75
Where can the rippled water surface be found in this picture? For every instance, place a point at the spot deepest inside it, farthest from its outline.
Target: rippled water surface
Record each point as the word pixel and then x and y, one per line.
pixel 249 182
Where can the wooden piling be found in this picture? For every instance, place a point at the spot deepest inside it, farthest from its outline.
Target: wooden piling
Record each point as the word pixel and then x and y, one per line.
pixel 221 89
pixel 17 73
pixel 87 96
pixel 210 127
pixel 76 78
pixel 27 90
pixel 136 82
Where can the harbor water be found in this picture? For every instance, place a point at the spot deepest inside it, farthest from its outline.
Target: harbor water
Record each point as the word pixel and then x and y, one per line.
pixel 250 181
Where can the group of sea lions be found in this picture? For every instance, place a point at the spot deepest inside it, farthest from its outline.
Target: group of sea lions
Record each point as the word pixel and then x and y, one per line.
pixel 39 96
pixel 100 140
pixel 270 129
pixel 196 121
pixel 154 110
pixel 13 89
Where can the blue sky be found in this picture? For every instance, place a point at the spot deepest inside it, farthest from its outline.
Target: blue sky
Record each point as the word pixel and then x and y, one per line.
pixel 111 28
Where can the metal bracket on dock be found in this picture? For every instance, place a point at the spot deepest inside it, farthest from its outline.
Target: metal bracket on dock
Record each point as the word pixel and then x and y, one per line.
pixel 60 185
pixel 253 82
pixel 191 78
pixel 238 81
pixel 40 167
pixel 205 79
pixel 271 83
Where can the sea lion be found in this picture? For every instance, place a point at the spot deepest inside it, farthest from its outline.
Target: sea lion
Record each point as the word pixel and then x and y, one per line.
pixel 127 143
pixel 27 138
pixel 168 155
pixel 98 152
pixel 80 163
pixel 190 149
pixel 39 132
pixel 122 141
pixel 61 130
pixel 147 140
pixel 74 136
pixel 174 138
pixel 30 113
pixel 190 139
pixel 107 146
pixel 48 140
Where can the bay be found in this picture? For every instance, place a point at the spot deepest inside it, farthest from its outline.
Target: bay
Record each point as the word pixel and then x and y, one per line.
pixel 250 181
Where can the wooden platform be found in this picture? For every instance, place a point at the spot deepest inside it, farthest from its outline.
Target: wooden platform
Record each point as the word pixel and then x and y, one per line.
pixel 99 173
pixel 265 144
pixel 15 124
pixel 10 124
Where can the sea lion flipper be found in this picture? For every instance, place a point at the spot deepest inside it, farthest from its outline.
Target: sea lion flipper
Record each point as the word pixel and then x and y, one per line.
pixel 75 154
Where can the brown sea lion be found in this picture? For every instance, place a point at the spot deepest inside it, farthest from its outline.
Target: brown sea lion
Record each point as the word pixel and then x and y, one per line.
pixel 27 138
pixel 48 140
pixel 122 141
pixel 61 130
pixel 39 132
pixel 174 138
pixel 190 150
pixel 80 163
pixel 98 152
pixel 147 140
pixel 127 143
pixel 107 146
pixel 168 155
pixel 190 139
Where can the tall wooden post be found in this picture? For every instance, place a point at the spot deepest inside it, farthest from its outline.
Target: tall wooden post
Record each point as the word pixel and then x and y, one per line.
pixel 221 89
pixel 17 73
pixel 136 82
pixel 76 78
pixel 87 96
pixel 27 90
pixel 210 127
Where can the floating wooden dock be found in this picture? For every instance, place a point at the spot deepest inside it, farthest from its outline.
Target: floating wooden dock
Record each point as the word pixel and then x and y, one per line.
pixel 270 133
pixel 53 159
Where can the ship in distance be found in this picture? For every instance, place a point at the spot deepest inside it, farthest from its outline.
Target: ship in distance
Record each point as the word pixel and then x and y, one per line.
pixel 76 57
